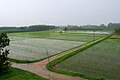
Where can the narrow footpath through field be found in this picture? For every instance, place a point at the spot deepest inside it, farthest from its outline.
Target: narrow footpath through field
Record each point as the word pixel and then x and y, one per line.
pixel 39 68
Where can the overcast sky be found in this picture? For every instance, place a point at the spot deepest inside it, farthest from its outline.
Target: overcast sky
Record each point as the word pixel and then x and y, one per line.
pixel 58 12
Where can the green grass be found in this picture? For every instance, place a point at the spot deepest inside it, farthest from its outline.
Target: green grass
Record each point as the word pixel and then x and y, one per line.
pixel 115 37
pixel 83 37
pixel 17 74
pixel 101 60
pixel 36 34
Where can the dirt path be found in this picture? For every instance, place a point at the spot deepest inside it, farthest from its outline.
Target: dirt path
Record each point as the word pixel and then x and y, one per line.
pixel 39 68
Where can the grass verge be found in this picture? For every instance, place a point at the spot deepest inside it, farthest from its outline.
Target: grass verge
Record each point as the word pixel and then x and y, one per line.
pixel 18 74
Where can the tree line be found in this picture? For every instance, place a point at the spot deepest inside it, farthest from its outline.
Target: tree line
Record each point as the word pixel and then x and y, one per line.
pixel 93 27
pixel 68 27
pixel 27 28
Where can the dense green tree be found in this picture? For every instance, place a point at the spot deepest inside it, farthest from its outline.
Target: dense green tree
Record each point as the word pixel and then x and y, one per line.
pixel 65 29
pixel 4 42
pixel 41 27
pixel 114 25
pixel 117 31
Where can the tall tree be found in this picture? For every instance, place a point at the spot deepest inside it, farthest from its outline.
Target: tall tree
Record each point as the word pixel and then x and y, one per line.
pixel 4 42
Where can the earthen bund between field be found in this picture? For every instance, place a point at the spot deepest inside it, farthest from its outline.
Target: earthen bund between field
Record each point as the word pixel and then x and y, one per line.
pixel 45 68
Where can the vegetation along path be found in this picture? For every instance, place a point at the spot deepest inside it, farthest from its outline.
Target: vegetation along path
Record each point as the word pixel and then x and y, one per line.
pixel 39 68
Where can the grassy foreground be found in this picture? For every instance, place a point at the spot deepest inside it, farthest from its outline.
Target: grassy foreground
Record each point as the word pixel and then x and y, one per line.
pixel 17 74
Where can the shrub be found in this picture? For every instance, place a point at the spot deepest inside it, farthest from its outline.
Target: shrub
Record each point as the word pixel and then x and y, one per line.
pixel 117 31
